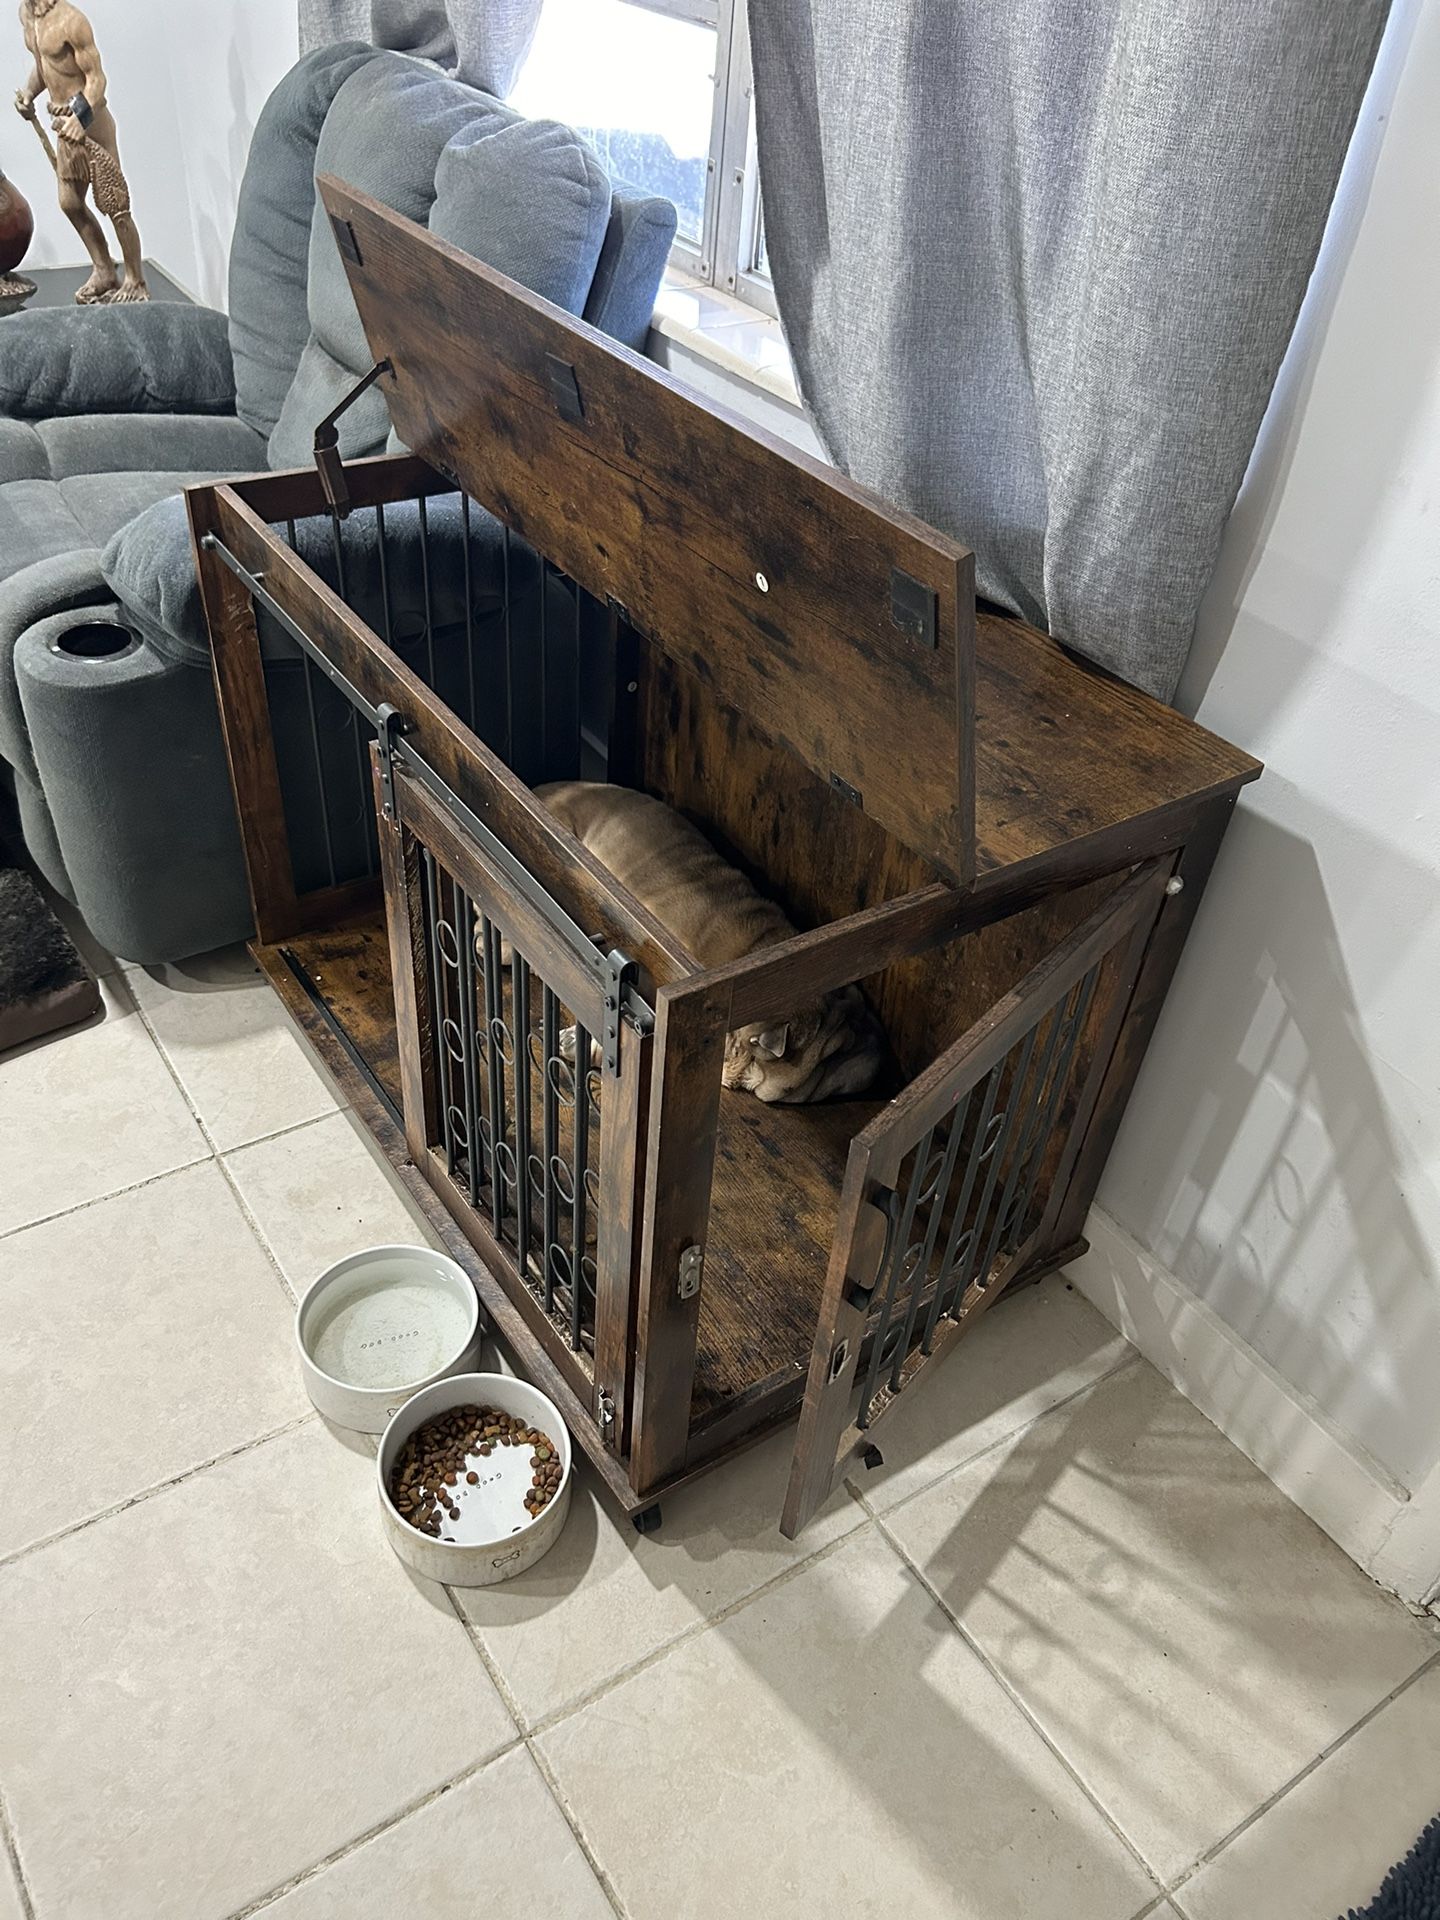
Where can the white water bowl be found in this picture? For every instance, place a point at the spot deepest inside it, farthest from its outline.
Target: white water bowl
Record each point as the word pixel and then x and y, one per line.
pixel 495 1538
pixel 380 1324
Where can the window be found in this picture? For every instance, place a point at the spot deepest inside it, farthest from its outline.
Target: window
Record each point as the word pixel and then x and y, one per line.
pixel 661 89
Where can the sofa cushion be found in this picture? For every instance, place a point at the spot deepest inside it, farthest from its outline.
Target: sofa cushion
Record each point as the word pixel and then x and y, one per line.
pixel 529 199
pixel 270 253
pixel 22 452
pixel 631 265
pixel 160 357
pixel 389 124
pixel 40 519
pixel 175 442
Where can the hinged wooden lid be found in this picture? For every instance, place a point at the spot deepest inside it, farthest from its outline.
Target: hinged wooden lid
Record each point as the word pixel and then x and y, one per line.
pixel 844 630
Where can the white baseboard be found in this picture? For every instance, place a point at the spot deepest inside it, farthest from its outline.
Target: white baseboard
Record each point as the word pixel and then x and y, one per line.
pixel 1392 1533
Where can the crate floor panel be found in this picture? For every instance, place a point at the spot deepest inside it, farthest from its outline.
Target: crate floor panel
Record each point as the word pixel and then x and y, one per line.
pixel 348 967
pixel 769 1241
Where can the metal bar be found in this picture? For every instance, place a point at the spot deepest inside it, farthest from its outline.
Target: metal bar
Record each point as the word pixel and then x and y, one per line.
pixel 517 876
pixel 438 997
pixel 509 656
pixel 469 589
pixel 465 952
pixel 352 1052
pixel 319 759
pixel 520 1019
pixel 897 1261
pixel 574 769
pixel 1075 1026
pixel 425 589
pixel 995 1155
pixel 549 1102
pixel 581 1162
pixel 546 770
pixel 494 1028
pixel 932 1229
pixel 1012 1175
pixel 1031 1130
pixel 384 543
pixel 958 1230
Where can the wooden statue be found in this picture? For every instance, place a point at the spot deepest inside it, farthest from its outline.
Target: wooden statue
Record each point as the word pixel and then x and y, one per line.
pixel 66 66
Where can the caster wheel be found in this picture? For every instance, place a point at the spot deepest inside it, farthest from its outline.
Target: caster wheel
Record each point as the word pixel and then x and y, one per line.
pixel 649 1520
pixel 872 1458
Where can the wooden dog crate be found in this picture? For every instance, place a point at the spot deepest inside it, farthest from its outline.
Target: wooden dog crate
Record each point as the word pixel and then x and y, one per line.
pixel 583 571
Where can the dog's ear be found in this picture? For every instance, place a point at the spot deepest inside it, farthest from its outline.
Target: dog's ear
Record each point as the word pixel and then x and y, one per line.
pixel 774 1040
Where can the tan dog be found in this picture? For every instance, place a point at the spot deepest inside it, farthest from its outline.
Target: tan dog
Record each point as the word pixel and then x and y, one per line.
pixel 829 1048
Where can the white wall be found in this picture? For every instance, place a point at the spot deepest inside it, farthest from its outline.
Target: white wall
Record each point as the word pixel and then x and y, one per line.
pixel 1277 1180
pixel 187 79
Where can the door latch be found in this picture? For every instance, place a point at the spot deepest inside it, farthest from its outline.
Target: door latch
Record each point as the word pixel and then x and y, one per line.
pixel 692 1262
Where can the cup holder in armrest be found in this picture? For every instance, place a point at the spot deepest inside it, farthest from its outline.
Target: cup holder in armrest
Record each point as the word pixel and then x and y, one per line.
pixel 95 640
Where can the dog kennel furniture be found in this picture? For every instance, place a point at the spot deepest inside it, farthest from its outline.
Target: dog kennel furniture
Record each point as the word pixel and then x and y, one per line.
pixel 583 571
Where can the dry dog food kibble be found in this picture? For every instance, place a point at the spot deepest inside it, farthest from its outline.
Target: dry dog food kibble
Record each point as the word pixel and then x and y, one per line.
pixel 438 1456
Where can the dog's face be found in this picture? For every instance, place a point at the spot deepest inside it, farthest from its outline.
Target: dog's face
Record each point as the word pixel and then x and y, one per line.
pixel 824 1051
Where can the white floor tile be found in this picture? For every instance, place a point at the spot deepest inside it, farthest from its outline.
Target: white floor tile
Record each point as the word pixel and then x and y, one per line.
pixel 10 1907
pixel 139 1336
pixel 220 1686
pixel 605 1596
pixel 88 1112
pixel 1327 1845
pixel 319 1193
pixel 1024 1356
pixel 833 1748
pixel 232 1046
pixel 496 1845
pixel 1185 1635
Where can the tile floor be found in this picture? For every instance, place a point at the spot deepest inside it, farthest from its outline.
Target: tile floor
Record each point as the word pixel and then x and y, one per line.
pixel 1066 1654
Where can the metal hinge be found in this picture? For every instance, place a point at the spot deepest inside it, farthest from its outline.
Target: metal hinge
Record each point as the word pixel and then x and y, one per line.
pixel 913 608
pixel 618 975
pixel 389 725
pixel 692 1263
pixel 328 463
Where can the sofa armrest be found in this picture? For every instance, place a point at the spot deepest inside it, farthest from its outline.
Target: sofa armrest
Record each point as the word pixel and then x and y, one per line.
pixel 157 358
pixel 631 266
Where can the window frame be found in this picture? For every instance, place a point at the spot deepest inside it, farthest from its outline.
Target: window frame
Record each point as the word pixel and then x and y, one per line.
pixel 726 254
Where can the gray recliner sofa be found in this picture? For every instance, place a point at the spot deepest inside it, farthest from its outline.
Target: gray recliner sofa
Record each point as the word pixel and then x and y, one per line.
pixel 111 764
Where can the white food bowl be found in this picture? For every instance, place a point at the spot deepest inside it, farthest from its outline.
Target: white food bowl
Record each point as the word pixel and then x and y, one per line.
pixel 495 1538
pixel 378 1325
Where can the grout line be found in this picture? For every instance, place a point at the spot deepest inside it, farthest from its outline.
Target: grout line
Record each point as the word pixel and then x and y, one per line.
pixel 160 1486
pixel 549 1721
pixel 254 1225
pixel 218 1154
pixel 1188 1874
pixel 572 1820
pixel 426 1799
pixel 1018 1702
pixel 60 1213
pixel 278 1133
pixel 497 1679
pixel 11 1851
pixel 1122 1365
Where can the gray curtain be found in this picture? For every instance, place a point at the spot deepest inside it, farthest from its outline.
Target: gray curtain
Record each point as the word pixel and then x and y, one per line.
pixel 1039 262
pixel 483 42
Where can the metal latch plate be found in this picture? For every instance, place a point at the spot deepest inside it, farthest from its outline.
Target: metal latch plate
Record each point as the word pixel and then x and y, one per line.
pixel 692 1263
